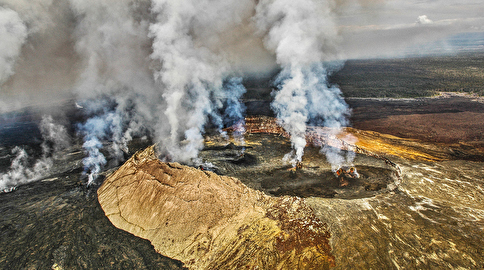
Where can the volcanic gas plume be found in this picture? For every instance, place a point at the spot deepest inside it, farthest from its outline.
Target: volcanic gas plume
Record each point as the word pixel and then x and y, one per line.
pixel 55 139
pixel 166 69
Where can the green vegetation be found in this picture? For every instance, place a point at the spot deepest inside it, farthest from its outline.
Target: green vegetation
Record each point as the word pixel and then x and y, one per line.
pixel 412 77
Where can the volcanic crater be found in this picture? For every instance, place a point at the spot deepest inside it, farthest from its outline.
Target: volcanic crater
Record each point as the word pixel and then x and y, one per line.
pixel 259 163
pixel 243 207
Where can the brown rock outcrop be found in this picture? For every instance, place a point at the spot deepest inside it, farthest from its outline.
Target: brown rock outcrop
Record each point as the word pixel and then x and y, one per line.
pixel 209 221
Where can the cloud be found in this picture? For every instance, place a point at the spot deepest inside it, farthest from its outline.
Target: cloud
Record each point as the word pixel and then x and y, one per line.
pixel 391 28
pixel 423 19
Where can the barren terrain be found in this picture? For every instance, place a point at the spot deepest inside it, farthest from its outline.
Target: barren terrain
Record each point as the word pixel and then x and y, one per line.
pixel 452 120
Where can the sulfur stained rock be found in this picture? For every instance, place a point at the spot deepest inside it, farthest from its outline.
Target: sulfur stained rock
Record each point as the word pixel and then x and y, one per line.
pixel 209 221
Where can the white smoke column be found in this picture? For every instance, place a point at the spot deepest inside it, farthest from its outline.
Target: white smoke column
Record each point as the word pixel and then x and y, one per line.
pixel 303 34
pixel 55 139
pixel 235 110
pixel 186 75
pixel 18 171
pixel 290 106
pixel 93 129
pixel 95 160
pixel 106 127
pixel 326 102
pixel 55 134
pixel 116 88
pixel 191 73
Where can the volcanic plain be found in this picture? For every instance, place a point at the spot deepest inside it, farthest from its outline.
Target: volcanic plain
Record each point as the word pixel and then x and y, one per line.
pixel 424 114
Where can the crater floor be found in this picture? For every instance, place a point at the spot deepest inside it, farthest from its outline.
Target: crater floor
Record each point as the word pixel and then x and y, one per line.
pixel 259 164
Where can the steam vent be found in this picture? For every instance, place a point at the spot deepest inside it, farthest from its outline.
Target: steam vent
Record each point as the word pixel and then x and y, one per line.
pixel 246 208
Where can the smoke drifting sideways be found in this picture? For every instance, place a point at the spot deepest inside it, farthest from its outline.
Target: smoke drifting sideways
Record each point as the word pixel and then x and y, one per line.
pixel 166 69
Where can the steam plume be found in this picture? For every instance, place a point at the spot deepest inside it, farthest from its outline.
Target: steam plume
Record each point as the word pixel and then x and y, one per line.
pixel 187 76
pixel 115 89
pixel 106 127
pixel 303 35
pixel 55 139
pixel 55 136
pixel 192 68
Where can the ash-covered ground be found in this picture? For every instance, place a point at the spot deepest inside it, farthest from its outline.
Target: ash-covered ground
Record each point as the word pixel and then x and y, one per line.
pixel 434 218
pixel 54 221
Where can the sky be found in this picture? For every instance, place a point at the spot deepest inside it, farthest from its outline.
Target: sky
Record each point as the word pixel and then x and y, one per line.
pixel 388 28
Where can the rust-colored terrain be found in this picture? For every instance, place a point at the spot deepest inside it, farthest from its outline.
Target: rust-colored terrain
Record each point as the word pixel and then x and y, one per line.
pixel 454 122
